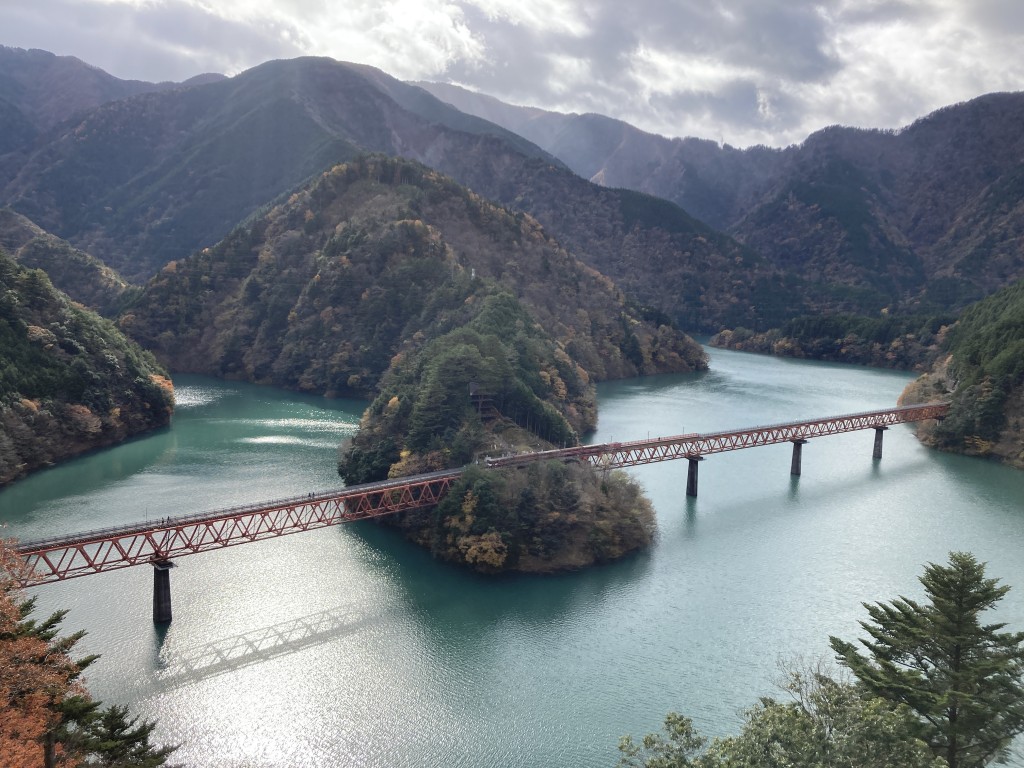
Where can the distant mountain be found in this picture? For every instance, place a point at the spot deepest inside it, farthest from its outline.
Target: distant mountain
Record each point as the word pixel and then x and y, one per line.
pixel 920 221
pixel 69 381
pixel 43 89
pixel 923 219
pixel 142 181
pixel 710 182
pixel 149 179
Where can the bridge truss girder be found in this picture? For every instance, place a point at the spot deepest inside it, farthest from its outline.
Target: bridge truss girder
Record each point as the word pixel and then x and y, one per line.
pixel 99 551
pixel 616 455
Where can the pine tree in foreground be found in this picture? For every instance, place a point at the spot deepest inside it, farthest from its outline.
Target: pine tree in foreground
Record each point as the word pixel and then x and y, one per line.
pixel 963 679
pixel 120 741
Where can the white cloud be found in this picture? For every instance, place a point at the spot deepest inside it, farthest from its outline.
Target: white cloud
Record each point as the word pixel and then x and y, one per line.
pixel 746 71
pixel 556 17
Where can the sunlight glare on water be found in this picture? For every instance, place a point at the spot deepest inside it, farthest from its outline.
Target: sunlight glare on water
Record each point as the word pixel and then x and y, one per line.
pixel 351 646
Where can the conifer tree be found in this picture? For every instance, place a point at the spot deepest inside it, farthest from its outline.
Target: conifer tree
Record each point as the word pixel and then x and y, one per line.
pixel 120 741
pixel 962 678
pixel 47 717
pixel 41 695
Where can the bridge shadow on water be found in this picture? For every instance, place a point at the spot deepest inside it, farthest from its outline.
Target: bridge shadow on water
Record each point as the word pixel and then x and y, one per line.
pixel 449 599
pixel 453 603
pixel 176 667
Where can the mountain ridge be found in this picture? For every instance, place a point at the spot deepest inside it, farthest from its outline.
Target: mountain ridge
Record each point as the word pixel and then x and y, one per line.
pixel 851 221
pixel 152 178
pixel 905 213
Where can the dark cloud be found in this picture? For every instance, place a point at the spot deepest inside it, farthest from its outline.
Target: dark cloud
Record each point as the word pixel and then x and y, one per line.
pixel 729 69
pixel 789 40
pixel 885 12
pixel 999 17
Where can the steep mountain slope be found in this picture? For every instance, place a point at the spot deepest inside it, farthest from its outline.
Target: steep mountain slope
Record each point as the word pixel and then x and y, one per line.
pixel 918 221
pixel 150 179
pixel 141 181
pixel 69 381
pixel 926 218
pixel 923 219
pixel 83 278
pixel 323 291
pixel 476 332
pixel 710 182
pixel 655 251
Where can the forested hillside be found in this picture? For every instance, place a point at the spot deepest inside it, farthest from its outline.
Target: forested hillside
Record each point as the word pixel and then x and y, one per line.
pixel 983 373
pixel 85 279
pixel 69 381
pixel 475 332
pixel 857 245
pixel 141 181
pixel 321 292
pixel 909 342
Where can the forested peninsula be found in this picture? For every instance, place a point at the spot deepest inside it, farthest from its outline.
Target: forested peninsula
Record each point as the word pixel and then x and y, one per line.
pixel 473 331
pixel 981 370
pixel 70 382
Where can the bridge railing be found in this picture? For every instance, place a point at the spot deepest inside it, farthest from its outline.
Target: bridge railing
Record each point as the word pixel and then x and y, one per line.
pixel 163 523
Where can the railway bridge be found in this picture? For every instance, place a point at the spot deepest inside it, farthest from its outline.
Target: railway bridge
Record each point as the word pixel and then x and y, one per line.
pixel 158 543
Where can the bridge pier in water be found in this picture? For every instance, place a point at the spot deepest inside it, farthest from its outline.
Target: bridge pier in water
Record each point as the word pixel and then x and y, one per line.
pixel 162 591
pixel 794 467
pixel 691 474
pixel 877 454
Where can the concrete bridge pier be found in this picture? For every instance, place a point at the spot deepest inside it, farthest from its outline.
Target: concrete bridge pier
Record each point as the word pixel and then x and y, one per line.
pixel 794 467
pixel 691 475
pixel 878 442
pixel 162 591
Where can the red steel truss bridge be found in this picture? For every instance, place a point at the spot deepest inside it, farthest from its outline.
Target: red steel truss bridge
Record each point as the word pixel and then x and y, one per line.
pixel 107 549
pixel 693 446
pixel 158 543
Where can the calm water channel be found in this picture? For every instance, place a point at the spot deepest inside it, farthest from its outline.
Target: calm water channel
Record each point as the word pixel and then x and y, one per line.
pixel 351 647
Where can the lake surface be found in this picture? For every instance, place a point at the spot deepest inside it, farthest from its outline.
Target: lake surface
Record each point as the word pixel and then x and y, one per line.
pixel 350 646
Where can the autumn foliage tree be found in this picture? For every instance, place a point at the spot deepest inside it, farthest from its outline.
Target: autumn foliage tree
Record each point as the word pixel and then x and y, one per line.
pixel 47 717
pixel 40 683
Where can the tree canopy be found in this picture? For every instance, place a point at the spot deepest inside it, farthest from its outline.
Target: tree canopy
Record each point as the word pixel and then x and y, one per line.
pixel 826 723
pixel 936 688
pixel 961 677
pixel 49 717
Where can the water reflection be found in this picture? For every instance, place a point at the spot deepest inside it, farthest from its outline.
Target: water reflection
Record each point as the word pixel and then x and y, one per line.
pixel 452 602
pixel 691 517
pixel 84 476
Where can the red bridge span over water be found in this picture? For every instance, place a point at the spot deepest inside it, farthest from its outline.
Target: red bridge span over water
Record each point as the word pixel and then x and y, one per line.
pixel 157 543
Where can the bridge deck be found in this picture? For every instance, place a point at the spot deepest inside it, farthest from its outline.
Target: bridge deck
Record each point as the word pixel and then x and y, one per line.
pixel 82 554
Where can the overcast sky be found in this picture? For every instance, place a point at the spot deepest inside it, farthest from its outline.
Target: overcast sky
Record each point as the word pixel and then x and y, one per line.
pixel 739 71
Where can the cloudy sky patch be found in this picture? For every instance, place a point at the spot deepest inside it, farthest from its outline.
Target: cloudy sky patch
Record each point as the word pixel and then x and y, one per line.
pixel 740 71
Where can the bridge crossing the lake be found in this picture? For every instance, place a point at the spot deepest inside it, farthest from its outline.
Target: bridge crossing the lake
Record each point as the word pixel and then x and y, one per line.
pixel 157 543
